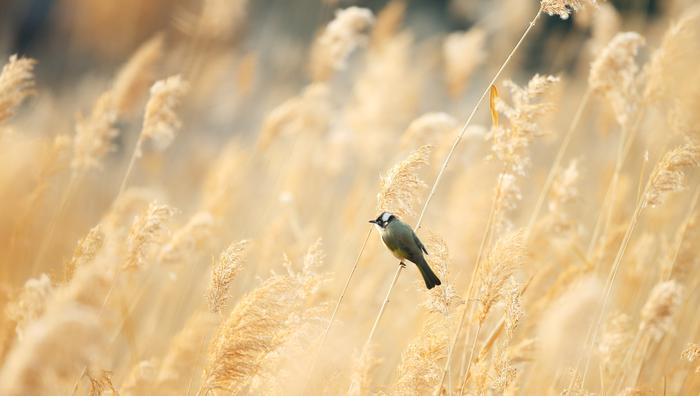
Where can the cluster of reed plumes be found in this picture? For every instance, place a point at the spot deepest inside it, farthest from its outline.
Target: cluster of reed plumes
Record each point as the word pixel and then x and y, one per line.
pixel 195 222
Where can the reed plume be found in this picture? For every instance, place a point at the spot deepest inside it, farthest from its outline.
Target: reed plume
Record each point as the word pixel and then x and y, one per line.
pixel 399 187
pixel 30 304
pixel 421 361
pixel 346 32
pixel 16 84
pixel 190 240
pixel 668 175
pixel 614 75
pixel 94 135
pixel 463 53
pixel 222 274
pixel 564 8
pixel 181 363
pixel 662 304
pixel 146 233
pixel 136 75
pixel 258 325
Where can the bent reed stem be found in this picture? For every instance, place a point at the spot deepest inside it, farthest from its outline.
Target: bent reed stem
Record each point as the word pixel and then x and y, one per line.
pixel 492 211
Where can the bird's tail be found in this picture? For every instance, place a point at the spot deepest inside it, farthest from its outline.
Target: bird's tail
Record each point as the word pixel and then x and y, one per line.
pixel 431 280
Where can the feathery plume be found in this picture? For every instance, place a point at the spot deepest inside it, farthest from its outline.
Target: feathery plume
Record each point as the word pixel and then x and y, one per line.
pixel 510 143
pixel 308 113
pixel 428 129
pixel 388 22
pixel 564 8
pixel 219 19
pixel 30 304
pixel 566 320
pixel 86 250
pixel 222 180
pixel 616 340
pixel 347 31
pixel 669 174
pixel 563 191
pixel 161 121
pixel 188 241
pixel 614 74
pixel 137 74
pixel 100 382
pixel 259 324
pixel 691 353
pixel 606 24
pixel 146 231
pixel 463 53
pixel 506 256
pixel 184 353
pixel 94 135
pixel 16 84
pixel 686 257
pixel 399 187
pixel 362 367
pixel 223 272
pixel 141 379
pixel 47 359
pixel 421 362
pixel 129 204
pixel 657 314
pixel 444 299
pixel 504 372
pixel 669 64
pixel 251 331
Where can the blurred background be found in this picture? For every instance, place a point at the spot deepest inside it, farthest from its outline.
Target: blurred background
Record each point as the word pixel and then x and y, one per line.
pixel 273 149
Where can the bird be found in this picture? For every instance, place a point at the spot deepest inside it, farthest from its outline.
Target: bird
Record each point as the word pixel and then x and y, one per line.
pixel 404 244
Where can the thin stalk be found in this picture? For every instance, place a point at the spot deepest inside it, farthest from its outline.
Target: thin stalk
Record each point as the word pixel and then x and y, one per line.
pixel 132 161
pixel 383 307
pixel 664 277
pixel 46 241
pixel 612 276
pixel 677 248
pixel 473 113
pixel 491 339
pixel 442 170
pixel 337 307
pixel 626 139
pixel 438 178
pixel 557 162
pixel 453 343
pixel 469 362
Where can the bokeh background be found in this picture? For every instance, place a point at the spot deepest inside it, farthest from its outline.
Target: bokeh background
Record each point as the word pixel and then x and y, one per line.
pixel 269 149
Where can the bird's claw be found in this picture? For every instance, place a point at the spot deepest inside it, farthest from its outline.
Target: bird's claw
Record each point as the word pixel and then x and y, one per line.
pixel 402 264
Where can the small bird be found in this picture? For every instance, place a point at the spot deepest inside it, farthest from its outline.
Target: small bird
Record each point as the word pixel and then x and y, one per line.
pixel 405 245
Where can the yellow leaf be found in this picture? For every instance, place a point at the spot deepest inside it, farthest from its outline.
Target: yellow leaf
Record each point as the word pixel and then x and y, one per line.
pixel 492 103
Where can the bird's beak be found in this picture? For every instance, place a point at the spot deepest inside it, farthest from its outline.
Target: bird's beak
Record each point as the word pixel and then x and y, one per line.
pixel 373 221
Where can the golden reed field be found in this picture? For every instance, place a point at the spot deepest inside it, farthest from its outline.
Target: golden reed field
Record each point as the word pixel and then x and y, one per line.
pixel 186 185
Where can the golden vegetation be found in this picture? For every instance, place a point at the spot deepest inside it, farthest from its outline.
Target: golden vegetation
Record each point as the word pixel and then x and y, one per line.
pixel 561 215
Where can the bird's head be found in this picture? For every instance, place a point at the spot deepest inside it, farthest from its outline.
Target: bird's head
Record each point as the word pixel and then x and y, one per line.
pixel 383 220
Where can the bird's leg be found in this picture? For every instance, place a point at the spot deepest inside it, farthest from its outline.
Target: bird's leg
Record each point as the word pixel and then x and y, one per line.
pixel 402 264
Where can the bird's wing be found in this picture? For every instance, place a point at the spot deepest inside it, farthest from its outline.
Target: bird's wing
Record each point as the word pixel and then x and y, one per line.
pixel 419 243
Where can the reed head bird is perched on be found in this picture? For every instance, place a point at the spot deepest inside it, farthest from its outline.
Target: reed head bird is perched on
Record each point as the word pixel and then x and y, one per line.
pixel 405 245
